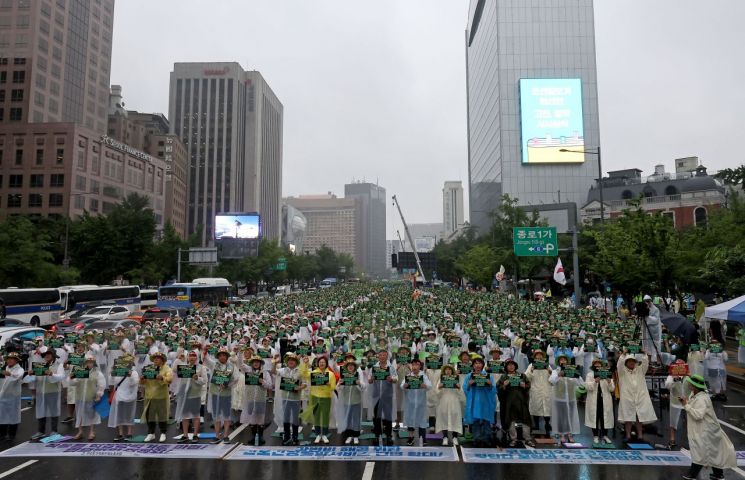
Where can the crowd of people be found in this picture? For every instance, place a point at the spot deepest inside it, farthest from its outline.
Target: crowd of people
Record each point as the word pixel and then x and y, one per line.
pixel 457 363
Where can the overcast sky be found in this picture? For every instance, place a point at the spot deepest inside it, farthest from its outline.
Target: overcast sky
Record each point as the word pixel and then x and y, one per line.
pixel 375 90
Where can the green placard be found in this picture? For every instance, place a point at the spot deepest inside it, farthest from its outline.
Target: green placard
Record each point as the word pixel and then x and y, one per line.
pixel 141 349
pixel 186 371
pixel 535 241
pixel 222 377
pixel 403 359
pixel 464 368
pixel 634 348
pixel 455 343
pixel 149 372
pixel 319 379
pixel 496 366
pixel 694 347
pixel 515 380
pixel 570 371
pixel 120 369
pixel 288 384
pixel 349 378
pixel 539 365
pixel 414 382
pixel 302 350
pixel 380 373
pixel 39 368
pixel 81 372
pixel 252 378
pixel 603 373
pixel 76 359
pixel 114 345
pixel 264 353
pixel 715 348
pixel 450 381
pixel 431 347
pixel 433 362
pixel 479 379
pixel 55 342
pixel 71 338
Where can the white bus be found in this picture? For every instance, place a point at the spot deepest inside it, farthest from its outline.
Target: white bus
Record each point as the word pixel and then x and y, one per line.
pixel 148 298
pixel 76 298
pixel 39 307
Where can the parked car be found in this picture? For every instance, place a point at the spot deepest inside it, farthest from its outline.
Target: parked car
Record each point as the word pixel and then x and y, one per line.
pixel 19 334
pixel 112 324
pixel 74 326
pixel 12 322
pixel 158 313
pixel 107 312
pixel 136 315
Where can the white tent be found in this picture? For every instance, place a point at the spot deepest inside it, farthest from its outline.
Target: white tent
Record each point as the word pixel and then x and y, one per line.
pixel 732 310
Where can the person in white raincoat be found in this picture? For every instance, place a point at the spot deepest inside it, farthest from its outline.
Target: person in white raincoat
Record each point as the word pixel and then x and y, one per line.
pixel 288 388
pixel 10 397
pixel 634 404
pixel 122 414
pixel 599 403
pixel 696 360
pixel 564 413
pixel 48 392
pixel 349 388
pixel 189 396
pixel 539 402
pixel 78 354
pixel 257 382
pixel 382 380
pixel 88 391
pixel 452 400
pixel 716 373
pixel 415 386
pixel 223 375
pixel 709 445
pixel 675 384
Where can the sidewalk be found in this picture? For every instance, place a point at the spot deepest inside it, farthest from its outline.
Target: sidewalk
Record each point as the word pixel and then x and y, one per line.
pixel 735 372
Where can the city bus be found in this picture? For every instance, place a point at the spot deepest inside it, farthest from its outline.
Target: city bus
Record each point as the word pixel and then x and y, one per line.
pixel 39 307
pixel 148 298
pixel 77 298
pixel 190 295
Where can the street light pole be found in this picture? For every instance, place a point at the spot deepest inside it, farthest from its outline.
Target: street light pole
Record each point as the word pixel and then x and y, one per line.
pixel 600 175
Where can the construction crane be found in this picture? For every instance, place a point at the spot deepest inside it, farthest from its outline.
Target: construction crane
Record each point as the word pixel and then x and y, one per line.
pixel 403 249
pixel 411 240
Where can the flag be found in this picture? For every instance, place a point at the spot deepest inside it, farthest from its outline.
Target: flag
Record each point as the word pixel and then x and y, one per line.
pixel 500 275
pixel 559 273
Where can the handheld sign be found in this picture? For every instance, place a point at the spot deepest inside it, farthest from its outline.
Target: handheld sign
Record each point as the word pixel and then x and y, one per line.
pixel 120 369
pixel 403 358
pixel 414 382
pixel 71 338
pixel 633 348
pixel 431 347
pixel 222 377
pixel 252 379
pixel 319 379
pixel 56 343
pixel 288 384
pixel 464 368
pixel 380 373
pixel 149 372
pixel 264 353
pixel 570 371
pixel 479 379
pixel 539 365
pixel 449 381
pixel 679 369
pixel 715 348
pixel 496 366
pixel 349 379
pixel 141 349
pixel 515 380
pixel 39 368
pixel 603 373
pixel 455 342
pixel 81 372
pixel 694 347
pixel 115 345
pixel 186 371
pixel 432 362
pixel 76 359
pixel 302 350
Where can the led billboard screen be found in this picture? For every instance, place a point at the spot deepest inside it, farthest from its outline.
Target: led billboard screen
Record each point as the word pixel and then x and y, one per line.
pixel 237 225
pixel 551 119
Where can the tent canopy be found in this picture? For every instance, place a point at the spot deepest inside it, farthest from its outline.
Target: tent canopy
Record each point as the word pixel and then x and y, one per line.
pixel 733 310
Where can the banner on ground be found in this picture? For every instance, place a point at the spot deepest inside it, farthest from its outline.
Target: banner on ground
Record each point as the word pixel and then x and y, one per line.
pixel 586 457
pixel 123 450
pixel 421 454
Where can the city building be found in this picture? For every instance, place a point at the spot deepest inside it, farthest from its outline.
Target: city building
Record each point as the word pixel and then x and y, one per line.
pixel 294 227
pixel 371 226
pixel 332 222
pixel 514 146
pixel 686 164
pixel 55 62
pixel 452 207
pixel 688 198
pixel 231 123
pixel 64 169
pixel 392 247
pixel 425 235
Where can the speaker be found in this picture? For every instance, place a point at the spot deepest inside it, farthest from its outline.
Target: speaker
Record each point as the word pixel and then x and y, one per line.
pixel 394 260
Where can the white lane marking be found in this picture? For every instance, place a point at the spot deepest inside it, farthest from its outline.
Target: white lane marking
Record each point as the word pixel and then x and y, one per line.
pixel 738 430
pixel 27 408
pixel 368 473
pixel 237 431
pixel 739 471
pixel 15 469
pixel 733 406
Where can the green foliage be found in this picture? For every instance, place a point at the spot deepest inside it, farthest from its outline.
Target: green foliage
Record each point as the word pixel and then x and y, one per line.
pixel 732 176
pixel 478 264
pixel 26 259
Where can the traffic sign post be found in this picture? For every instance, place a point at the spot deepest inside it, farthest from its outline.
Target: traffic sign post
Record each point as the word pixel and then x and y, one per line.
pixel 535 241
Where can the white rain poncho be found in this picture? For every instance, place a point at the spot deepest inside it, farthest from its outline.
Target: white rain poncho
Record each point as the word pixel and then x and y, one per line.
pixel 222 378
pixel 449 413
pixel 349 402
pixel 415 401
pixel 539 402
pixel 10 395
pixel 253 410
pixel 125 400
pixel 709 444
pixel 564 413
pixel 603 387
pixel 87 392
pixel 382 393
pixel 188 392
pixel 634 401
pixel 287 403
pixel 48 391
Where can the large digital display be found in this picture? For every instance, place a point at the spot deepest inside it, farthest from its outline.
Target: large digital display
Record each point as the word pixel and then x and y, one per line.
pixel 551 119
pixel 237 225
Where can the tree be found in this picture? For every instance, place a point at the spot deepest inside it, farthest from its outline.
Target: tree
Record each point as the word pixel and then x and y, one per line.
pixel 26 258
pixel 732 176
pixel 478 264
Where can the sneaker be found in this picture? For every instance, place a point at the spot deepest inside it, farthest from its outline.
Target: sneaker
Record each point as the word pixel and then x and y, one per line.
pixel 688 477
pixel 216 441
pixel 348 441
pixel 607 440
pixel 317 440
pixel 455 441
pixel 194 440
pixel 180 436
pixel 325 439
pixel 595 440
pixel 287 442
pixel 421 441
pixel 162 438
pixel 37 436
pixel 444 441
pixel 226 440
pixel 410 441
pixel 150 437
pixel 128 438
pixel 389 442
pixel 356 441
pixel 119 438
pixel 182 439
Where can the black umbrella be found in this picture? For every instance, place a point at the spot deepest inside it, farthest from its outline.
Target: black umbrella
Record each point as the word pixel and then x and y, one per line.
pixel 679 326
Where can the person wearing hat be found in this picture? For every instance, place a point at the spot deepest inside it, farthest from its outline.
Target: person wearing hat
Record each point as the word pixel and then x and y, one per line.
pixel 675 383
pixel 157 400
pixel 651 330
pixel 415 386
pixel 124 404
pixel 10 396
pixel 481 393
pixel 89 389
pixel 382 380
pixel 322 386
pixel 599 403
pixel 564 412
pixel 223 375
pixel 403 368
pixel 514 387
pixel 716 373
pixel 289 386
pixel 709 445
pixel 538 374
pixel 349 390
pixel 190 379
pixel 257 383
pixel 634 405
pixel 449 412
pixel 49 376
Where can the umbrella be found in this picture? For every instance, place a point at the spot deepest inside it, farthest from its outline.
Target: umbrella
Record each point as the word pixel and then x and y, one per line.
pixel 679 326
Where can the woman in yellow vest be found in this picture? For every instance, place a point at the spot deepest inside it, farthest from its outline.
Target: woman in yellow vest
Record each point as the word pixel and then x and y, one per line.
pixel 322 385
pixel 156 378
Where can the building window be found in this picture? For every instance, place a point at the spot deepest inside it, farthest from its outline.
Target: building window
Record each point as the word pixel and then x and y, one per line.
pixel 57 180
pixel 2 114
pixel 19 157
pixel 60 157
pixel 700 216
pixel 16 95
pixel 79 202
pixel 2 95
pixel 40 156
pixel 3 77
pixel 16 181
pixel 14 200
pixel 34 200
pixel 37 181
pixel 671 190
pixel 19 76
pixel 16 114
pixel 55 199
pixel 94 205
pixel 80 183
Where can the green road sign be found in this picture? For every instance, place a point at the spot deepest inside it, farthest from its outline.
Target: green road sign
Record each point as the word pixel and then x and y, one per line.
pixel 281 264
pixel 535 241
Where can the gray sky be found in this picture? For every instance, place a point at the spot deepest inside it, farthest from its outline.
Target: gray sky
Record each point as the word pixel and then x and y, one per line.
pixel 375 90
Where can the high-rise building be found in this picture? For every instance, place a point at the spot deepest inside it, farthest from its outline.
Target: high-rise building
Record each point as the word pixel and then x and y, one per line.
pixel 371 232
pixel 515 136
pixel 392 247
pixel 230 121
pixel 332 222
pixel 55 61
pixel 452 207
pixel 424 235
